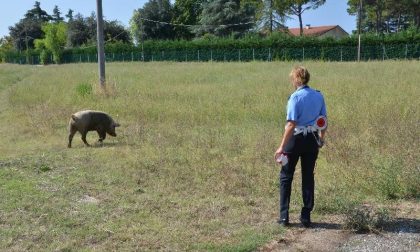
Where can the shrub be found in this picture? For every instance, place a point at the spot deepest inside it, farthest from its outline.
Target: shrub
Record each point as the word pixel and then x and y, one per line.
pixel 389 172
pixel 43 57
pixel 365 218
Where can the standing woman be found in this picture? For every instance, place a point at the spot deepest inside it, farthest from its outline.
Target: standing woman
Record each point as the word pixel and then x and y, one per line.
pixel 301 139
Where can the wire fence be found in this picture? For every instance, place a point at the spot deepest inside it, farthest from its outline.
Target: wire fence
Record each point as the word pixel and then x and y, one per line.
pixel 343 53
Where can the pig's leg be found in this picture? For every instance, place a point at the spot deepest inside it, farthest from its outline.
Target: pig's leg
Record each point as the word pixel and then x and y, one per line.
pixel 73 131
pixel 84 138
pixel 102 135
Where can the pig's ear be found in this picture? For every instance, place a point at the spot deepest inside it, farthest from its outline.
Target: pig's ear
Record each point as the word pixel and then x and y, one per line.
pixel 117 125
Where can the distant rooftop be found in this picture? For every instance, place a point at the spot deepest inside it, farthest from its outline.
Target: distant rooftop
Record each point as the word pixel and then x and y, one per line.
pixel 314 30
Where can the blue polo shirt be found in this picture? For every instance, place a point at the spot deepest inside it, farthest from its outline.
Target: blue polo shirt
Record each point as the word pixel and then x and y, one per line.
pixel 305 105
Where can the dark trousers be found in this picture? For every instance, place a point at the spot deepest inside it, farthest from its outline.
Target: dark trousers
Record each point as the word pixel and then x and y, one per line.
pixel 305 148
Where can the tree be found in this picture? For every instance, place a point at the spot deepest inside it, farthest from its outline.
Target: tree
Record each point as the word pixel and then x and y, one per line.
pixel 69 15
pixel 28 29
pixel 78 31
pixel 271 17
pixel 136 28
pixel 91 26
pixel 55 39
pixel 82 30
pixel 412 10
pixel 115 31
pixel 297 8
pixel 37 13
pixel 6 45
pixel 24 33
pixel 186 12
pixel 56 16
pixel 388 16
pixel 152 21
pixel 226 17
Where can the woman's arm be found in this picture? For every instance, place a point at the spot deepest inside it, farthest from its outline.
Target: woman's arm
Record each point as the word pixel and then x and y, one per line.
pixel 288 132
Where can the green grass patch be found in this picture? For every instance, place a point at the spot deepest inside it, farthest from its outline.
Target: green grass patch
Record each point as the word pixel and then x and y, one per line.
pixel 84 89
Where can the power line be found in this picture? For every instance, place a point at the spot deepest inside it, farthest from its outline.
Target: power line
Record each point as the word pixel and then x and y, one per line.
pixel 107 41
pixel 198 25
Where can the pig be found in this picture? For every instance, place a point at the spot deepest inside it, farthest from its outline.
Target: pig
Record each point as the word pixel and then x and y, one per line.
pixel 89 120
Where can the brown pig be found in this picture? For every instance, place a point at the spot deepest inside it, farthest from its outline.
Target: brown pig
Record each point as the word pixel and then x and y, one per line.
pixel 89 120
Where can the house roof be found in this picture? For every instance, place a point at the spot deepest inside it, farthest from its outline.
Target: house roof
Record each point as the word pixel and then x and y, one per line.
pixel 314 30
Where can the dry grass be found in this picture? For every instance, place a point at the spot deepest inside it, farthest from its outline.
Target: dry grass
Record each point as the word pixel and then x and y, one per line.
pixel 192 168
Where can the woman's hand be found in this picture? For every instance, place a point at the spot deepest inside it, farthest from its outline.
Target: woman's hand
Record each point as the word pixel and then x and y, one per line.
pixel 279 151
pixel 288 132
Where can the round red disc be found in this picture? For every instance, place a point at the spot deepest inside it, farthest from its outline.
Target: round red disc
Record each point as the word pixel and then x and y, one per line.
pixel 320 122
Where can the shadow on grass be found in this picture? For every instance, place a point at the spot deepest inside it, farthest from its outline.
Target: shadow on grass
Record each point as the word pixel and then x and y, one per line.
pixel 403 225
pixel 107 144
pixel 325 225
pixel 320 225
pixel 101 145
pixel 398 225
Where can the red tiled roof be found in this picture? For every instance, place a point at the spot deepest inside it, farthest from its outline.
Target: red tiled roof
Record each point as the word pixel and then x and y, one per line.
pixel 312 31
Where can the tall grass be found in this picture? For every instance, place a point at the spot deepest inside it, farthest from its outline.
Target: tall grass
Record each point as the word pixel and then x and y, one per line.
pixel 192 166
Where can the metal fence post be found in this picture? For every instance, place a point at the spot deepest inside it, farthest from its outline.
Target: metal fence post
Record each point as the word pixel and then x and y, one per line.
pixel 239 54
pixel 303 53
pixel 406 51
pixel 253 54
pixel 383 52
pixel 341 53
pixel 132 56
pixel 198 55
pixel 269 54
pixel 211 55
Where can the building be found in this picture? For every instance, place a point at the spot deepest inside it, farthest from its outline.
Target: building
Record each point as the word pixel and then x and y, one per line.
pixel 334 31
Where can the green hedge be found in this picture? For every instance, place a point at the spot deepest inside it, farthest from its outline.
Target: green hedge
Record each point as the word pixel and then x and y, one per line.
pixel 278 46
pixel 277 40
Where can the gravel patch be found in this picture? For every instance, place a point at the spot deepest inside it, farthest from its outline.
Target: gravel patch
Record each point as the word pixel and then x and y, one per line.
pixel 383 242
pixel 403 234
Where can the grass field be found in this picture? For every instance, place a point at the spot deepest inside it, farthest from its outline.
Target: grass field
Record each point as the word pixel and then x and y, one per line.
pixel 192 166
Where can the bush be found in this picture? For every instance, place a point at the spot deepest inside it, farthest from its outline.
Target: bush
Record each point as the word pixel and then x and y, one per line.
pixel 44 57
pixel 365 218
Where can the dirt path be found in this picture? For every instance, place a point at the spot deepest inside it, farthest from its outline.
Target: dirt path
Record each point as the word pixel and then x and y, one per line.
pixel 402 234
pixel 325 235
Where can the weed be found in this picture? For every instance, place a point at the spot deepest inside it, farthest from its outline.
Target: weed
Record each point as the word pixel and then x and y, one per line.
pixel 84 89
pixel 365 218
pixel 44 168
pixel 389 173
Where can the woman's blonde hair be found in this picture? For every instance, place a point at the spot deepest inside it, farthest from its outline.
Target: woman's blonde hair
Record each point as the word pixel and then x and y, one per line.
pixel 299 74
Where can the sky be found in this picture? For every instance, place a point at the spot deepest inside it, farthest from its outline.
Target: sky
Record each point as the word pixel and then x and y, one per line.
pixel 333 12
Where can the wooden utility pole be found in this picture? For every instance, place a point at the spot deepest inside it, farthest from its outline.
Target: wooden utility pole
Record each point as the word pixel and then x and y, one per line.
pixel 100 39
pixel 359 29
